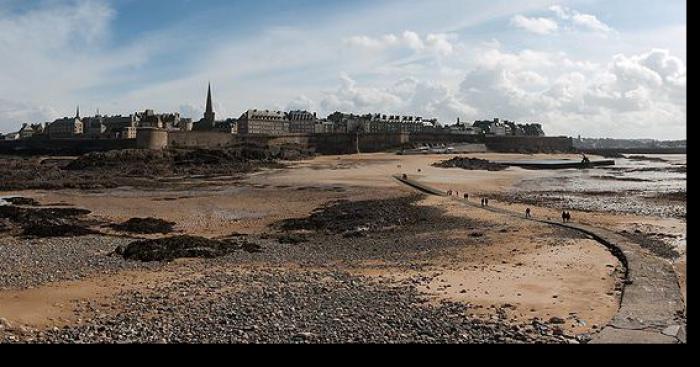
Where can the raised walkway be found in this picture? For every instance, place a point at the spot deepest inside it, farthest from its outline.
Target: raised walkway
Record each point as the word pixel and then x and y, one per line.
pixel 651 310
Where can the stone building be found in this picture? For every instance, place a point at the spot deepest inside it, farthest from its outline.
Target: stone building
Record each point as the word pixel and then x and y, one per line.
pixel 263 122
pixel 121 127
pixel 67 127
pixel 302 122
pixel 464 129
pixel 501 128
pixel 495 127
pixel 94 127
pixel 10 136
pixel 378 123
pixel 230 126
pixel 345 122
pixel 209 123
pixel 29 130
pixel 323 127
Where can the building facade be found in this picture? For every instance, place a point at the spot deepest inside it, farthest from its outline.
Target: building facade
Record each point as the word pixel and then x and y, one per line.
pixel 263 122
pixel 302 122
pixel 68 127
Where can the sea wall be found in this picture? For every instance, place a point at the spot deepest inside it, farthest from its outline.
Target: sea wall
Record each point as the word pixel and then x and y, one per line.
pixel 437 138
pixel 43 146
pixel 320 143
pixel 530 144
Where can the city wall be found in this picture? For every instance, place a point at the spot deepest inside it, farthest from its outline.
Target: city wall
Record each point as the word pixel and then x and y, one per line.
pixel 530 144
pixel 320 143
pixel 43 146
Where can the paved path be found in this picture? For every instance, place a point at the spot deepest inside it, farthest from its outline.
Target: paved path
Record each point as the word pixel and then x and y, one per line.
pixel 652 309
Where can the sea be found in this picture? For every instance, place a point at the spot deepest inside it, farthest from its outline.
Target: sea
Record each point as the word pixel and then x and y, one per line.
pixel 649 184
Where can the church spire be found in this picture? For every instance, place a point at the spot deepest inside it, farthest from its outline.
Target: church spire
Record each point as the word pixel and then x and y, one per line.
pixel 209 113
pixel 77 112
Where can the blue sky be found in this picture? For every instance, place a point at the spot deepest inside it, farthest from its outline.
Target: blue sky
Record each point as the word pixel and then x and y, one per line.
pixel 595 68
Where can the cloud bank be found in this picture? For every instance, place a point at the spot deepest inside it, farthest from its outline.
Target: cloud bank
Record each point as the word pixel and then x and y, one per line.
pixel 576 75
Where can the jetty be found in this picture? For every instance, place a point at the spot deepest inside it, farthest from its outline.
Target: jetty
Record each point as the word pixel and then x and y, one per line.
pixel 556 163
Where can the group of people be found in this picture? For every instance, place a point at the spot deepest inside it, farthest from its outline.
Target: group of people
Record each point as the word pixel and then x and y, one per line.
pixel 484 201
pixel 566 217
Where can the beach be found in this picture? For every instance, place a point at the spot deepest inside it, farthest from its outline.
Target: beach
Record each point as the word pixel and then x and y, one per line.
pixel 415 258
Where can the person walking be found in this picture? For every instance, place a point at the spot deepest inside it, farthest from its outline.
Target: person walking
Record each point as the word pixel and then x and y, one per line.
pixel 486 201
pixel 528 213
pixel 563 216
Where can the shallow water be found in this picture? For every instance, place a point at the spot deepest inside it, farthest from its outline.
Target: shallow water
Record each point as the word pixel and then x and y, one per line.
pixel 631 186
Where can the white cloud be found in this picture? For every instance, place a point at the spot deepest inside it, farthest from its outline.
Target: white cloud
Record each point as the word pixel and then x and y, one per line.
pixel 301 102
pixel 52 52
pixel 560 11
pixel 406 96
pixel 630 95
pixel 18 113
pixel 438 43
pixel 61 55
pixel 591 22
pixel 579 20
pixel 535 25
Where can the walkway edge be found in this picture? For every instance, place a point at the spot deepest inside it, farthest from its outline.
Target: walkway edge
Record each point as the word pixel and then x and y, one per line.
pixel 651 307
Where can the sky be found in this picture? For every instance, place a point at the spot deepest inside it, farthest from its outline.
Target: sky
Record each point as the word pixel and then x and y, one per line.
pixel 595 68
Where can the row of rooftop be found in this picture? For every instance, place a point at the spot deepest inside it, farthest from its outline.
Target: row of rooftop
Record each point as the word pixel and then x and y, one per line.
pixel 263 122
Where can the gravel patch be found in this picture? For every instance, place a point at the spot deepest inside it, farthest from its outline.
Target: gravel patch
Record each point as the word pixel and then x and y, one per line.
pixel 653 243
pixel 289 307
pixel 28 263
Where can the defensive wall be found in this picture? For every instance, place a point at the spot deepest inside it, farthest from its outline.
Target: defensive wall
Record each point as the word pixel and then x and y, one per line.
pixel 321 143
pixel 44 146
pixel 530 144
pixel 148 138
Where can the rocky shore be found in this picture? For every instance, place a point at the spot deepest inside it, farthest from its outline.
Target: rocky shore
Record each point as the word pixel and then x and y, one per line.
pixel 367 263
pixel 286 307
pixel 243 296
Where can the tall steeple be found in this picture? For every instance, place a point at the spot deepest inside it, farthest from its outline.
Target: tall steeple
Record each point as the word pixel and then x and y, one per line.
pixel 209 113
pixel 77 112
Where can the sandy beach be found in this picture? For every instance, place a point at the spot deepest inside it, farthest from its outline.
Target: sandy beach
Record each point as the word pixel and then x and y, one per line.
pixel 500 268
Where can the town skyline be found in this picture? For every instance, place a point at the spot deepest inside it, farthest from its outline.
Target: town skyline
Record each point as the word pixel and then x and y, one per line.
pixel 590 68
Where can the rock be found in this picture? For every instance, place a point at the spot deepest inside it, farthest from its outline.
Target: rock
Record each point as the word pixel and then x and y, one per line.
pixel 144 226
pixel 305 335
pixel 557 321
pixel 4 324
pixel 671 330
pixel 584 338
